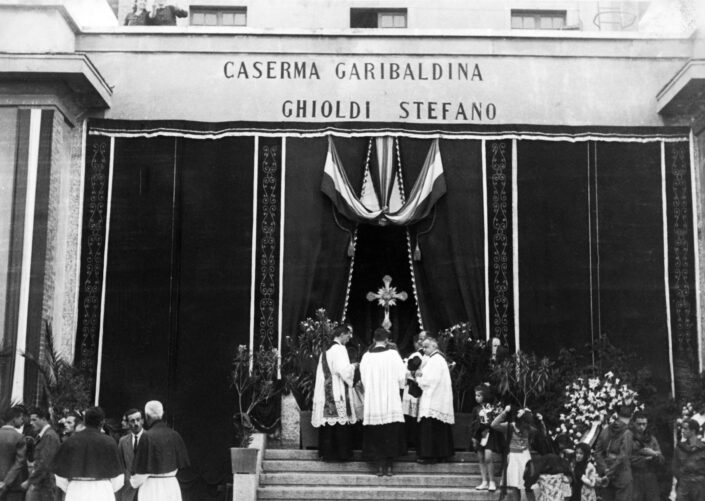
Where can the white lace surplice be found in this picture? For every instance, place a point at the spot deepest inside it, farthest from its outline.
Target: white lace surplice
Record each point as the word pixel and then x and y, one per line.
pixel 436 401
pixel 342 373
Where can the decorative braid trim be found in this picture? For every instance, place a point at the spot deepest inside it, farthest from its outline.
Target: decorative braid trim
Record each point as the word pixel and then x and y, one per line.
pixel 410 252
pixel 350 276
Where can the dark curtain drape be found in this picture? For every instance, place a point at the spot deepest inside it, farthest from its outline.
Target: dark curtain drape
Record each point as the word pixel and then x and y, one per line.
pixel 178 290
pixel 135 362
pixel 316 240
pixel 214 249
pixel 450 274
pixel 554 245
pixel 632 298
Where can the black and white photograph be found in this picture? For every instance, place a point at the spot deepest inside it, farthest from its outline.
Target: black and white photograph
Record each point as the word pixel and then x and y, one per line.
pixel 354 250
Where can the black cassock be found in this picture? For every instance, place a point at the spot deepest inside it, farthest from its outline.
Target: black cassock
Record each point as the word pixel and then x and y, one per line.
pixel 160 450
pixel 88 454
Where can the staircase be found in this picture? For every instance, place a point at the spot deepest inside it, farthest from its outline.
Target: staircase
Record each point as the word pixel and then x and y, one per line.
pixel 298 474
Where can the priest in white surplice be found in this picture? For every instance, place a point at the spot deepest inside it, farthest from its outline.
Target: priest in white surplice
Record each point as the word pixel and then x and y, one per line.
pixel 383 375
pixel 333 411
pixel 436 416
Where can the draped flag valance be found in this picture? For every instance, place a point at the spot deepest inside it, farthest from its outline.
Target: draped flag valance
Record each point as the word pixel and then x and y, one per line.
pixel 385 203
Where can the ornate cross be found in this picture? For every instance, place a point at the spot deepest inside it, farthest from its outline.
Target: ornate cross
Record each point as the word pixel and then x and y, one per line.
pixel 386 297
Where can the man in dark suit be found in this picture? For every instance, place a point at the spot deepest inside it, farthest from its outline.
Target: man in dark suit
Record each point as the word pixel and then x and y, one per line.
pixel 13 456
pixel 40 485
pixel 127 447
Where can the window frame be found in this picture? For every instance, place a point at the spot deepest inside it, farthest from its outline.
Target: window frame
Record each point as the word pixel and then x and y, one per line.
pixel 219 11
pixel 538 15
pixel 393 13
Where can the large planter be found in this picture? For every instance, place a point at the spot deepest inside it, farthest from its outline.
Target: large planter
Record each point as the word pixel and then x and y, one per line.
pixel 461 431
pixel 247 465
pixel 243 460
pixel 309 434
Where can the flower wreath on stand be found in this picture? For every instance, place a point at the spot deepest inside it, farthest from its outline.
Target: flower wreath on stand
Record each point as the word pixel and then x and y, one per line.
pixel 592 403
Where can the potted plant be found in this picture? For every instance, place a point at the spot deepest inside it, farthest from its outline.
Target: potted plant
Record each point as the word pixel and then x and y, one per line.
pixel 523 377
pixel 299 364
pixel 62 387
pixel 469 361
pixel 253 379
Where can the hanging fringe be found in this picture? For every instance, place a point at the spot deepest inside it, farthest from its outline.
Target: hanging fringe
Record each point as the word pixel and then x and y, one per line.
pixel 352 233
pixel 417 252
pixel 419 234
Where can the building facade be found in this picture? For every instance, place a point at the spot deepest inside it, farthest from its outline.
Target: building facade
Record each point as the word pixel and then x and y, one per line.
pixel 161 185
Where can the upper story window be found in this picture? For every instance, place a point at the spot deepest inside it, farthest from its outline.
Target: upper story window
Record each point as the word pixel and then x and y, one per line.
pixel 218 16
pixel 538 19
pixel 378 18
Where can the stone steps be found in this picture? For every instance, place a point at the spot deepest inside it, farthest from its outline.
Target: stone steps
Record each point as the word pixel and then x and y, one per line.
pixel 370 479
pixel 363 467
pixel 312 455
pixel 300 475
pixel 364 493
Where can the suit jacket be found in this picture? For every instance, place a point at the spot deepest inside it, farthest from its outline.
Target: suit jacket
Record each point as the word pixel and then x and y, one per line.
pixel 44 452
pixel 13 457
pixel 127 456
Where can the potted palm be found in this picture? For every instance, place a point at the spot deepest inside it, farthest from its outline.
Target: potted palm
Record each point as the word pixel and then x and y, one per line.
pixel 253 380
pixel 62 386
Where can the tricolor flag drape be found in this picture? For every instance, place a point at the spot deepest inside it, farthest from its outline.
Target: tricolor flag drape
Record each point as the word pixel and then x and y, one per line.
pixel 383 205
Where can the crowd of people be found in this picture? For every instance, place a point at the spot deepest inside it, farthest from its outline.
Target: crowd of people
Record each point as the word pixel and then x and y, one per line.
pixel 160 14
pixel 86 460
pixel 408 404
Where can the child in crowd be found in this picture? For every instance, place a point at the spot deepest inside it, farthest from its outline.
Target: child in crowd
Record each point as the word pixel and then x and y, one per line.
pixel 585 477
pixel 485 440
pixel 518 429
pixel 552 474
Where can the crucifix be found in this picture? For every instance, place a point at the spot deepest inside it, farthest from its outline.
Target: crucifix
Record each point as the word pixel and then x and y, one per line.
pixel 386 297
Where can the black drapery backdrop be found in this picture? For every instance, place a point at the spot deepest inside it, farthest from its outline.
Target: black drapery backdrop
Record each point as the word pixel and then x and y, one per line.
pixel 554 245
pixel 315 240
pixel 632 298
pixel 178 289
pixel 180 256
pixel 450 274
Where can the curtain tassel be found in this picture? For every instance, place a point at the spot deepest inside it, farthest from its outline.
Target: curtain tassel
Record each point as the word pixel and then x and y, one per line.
pixel 417 252
pixel 351 248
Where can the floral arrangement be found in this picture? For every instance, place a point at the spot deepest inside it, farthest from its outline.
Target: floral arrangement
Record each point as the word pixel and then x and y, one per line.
pixel 488 412
pixel 593 402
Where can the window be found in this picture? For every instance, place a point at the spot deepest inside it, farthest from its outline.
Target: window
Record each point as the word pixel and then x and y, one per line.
pixel 378 18
pixel 218 16
pixel 538 19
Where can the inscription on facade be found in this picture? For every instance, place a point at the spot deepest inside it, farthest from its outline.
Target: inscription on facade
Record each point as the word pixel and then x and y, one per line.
pixel 424 76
